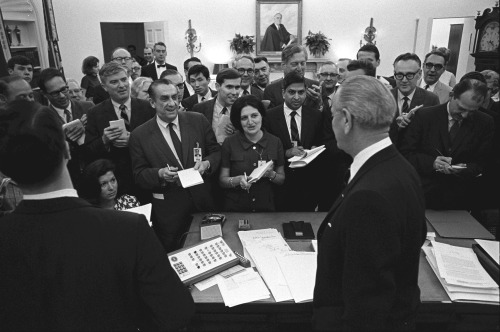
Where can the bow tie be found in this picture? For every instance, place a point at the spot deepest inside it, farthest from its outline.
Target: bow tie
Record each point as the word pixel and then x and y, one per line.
pixel 159 66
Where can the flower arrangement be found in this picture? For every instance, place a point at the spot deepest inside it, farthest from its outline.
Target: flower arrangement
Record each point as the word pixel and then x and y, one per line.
pixel 318 43
pixel 242 44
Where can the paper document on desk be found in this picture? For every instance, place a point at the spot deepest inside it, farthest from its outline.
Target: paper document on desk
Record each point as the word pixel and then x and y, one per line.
pixel 144 210
pixel 299 269
pixel 260 236
pixel 189 177
pixel 492 248
pixel 242 288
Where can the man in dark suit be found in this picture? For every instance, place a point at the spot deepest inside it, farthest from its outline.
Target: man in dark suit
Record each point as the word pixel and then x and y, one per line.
pixel 55 89
pixel 155 69
pixel 164 145
pixel 293 58
pixel 67 265
pixel 369 243
pixel 450 145
pixel 407 94
pixel 245 66
pixel 299 127
pixel 174 77
pixel 199 78
pixel 370 53
pixel 261 73
pixel 106 141
pixel 188 63
pixel 19 65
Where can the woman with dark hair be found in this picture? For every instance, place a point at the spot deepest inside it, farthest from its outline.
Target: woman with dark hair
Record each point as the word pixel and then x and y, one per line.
pixel 100 187
pixel 244 151
pixel 90 68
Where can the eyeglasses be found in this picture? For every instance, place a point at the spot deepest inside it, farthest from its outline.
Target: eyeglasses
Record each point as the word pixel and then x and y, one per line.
pixel 243 70
pixel 325 75
pixel 429 65
pixel 127 58
pixel 180 85
pixel 409 76
pixel 263 70
pixel 62 90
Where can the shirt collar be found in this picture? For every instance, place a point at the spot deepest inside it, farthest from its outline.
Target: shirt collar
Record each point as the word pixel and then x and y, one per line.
pixel 219 107
pixel 165 124
pixel 410 96
pixel 288 110
pixel 52 194
pixel 61 110
pixel 157 63
pixel 365 154
pixel 207 95
pixel 127 104
pixel 247 144
pixel 431 86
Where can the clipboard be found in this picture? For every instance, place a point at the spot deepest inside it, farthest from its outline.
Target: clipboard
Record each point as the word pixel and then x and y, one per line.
pixel 457 224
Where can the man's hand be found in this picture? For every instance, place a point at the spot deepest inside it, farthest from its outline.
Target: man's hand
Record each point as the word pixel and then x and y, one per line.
pixel 229 129
pixel 442 164
pixel 83 120
pixel 295 151
pixel 201 166
pixel 121 142
pixel 110 134
pixel 313 92
pixel 403 120
pixel 168 174
pixel 75 131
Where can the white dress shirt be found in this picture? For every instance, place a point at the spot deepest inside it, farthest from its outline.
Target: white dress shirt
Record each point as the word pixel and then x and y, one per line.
pixel 366 153
pixel 60 111
pixel 401 100
pixel 166 134
pixel 430 88
pixel 298 120
pixel 220 133
pixel 161 69
pixel 207 96
pixel 128 109
pixel 52 194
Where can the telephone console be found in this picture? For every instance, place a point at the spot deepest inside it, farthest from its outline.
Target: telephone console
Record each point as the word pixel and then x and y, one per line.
pixel 202 260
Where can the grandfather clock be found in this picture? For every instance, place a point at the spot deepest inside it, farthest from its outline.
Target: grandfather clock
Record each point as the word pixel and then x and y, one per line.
pixel 487 39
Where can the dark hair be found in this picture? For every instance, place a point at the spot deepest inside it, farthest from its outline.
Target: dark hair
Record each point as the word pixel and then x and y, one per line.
pixel 369 48
pixel 169 72
pixel 187 61
pixel 474 75
pixel 478 88
pixel 226 74
pixel 90 188
pixel 88 64
pixel 408 56
pixel 132 47
pixel 242 102
pixel 159 44
pixel 261 58
pixel 438 53
pixel 446 52
pixel 18 60
pixel 364 65
pixel 197 69
pixel 291 78
pixel 290 50
pixel 5 84
pixel 30 134
pixel 46 75
pixel 151 90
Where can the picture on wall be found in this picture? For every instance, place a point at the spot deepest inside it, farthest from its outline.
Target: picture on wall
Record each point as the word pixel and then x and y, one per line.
pixel 279 23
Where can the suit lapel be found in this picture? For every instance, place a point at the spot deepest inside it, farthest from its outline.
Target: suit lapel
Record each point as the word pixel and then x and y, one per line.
pixel 442 124
pixel 418 98
pixel 185 129
pixel 210 110
pixel 306 130
pixel 464 131
pixel 283 127
pixel 109 111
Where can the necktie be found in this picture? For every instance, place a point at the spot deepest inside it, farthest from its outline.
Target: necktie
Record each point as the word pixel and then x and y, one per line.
pixel 202 98
pixel 69 117
pixel 245 92
pixel 455 127
pixel 406 107
pixel 224 110
pixel 124 116
pixel 426 87
pixel 293 128
pixel 159 66
pixel 175 141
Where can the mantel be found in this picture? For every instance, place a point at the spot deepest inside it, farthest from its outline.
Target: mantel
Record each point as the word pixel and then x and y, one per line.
pixel 312 64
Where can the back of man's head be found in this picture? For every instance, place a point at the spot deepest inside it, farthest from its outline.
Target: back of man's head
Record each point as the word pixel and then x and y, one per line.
pixel 5 84
pixel 46 75
pixel 197 69
pixel 192 59
pixel 290 50
pixel 292 78
pixel 32 144
pixel 226 74
pixel 18 60
pixel 369 101
pixel 169 72
pixel 471 83
pixel 364 65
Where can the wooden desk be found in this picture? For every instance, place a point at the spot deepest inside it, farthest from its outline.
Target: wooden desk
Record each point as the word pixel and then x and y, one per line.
pixel 436 311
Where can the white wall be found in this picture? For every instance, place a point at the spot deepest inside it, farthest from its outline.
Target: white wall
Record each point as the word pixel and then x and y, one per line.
pixel 78 24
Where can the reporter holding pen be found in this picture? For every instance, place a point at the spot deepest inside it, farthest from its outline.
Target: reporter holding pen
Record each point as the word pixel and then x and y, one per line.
pixel 244 151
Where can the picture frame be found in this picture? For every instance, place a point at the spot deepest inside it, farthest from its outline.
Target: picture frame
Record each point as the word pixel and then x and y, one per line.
pixel 269 39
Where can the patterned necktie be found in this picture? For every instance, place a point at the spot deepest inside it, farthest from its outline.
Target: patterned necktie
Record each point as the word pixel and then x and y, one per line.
pixel 224 110
pixel 175 141
pixel 406 107
pixel 453 131
pixel 294 129
pixel 124 116
pixel 68 115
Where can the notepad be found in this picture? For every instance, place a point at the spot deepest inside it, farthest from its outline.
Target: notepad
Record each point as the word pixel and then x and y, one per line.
pixel 189 177
pixel 120 124
pixel 144 210
pixel 72 124
pixel 304 160
pixel 260 171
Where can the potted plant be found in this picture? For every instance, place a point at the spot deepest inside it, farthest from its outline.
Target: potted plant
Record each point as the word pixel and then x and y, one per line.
pixel 242 44
pixel 317 43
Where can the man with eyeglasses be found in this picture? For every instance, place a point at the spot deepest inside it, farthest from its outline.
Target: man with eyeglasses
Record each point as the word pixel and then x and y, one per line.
pixel 136 70
pixel 434 67
pixel 245 65
pixel 155 69
pixel 175 78
pixel 450 145
pixel 55 88
pixel 261 73
pixel 199 78
pixel 408 95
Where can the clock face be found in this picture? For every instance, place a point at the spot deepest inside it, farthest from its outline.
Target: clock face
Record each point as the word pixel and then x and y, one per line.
pixel 490 38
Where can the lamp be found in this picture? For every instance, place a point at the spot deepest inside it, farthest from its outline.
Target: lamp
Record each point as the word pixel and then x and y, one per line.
pixel 218 67
pixel 191 38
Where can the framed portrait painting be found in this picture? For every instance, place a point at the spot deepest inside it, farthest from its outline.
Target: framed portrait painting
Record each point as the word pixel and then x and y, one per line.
pixel 279 23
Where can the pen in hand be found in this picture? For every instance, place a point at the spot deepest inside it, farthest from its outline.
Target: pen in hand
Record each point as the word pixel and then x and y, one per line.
pixel 246 180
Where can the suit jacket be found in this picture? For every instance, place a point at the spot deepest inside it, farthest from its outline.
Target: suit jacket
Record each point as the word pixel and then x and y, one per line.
pixel 69 266
pixel 150 151
pixel 190 101
pixel 150 70
pixel 206 108
pixel 254 91
pixel 420 97
pixel 100 94
pixel 369 249
pixel 186 92
pixel 274 93
pixel 428 133
pixel 442 91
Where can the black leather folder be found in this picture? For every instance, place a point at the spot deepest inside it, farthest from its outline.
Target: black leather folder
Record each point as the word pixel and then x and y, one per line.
pixel 298 230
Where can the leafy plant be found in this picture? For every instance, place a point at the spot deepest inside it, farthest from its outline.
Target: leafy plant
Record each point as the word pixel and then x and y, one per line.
pixel 317 43
pixel 242 44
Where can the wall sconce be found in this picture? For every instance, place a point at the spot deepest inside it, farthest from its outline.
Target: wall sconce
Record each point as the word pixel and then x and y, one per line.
pixel 369 35
pixel 191 38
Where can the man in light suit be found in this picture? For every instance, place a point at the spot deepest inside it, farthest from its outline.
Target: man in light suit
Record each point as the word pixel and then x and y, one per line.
pixel 369 242
pixel 407 72
pixel 69 266
pixel 155 69
pixel 56 90
pixel 199 78
pixel 164 145
pixel 434 67
pixel 245 66
pixel 106 141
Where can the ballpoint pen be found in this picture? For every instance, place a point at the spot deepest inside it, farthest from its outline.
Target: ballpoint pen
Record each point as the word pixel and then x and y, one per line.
pixel 246 180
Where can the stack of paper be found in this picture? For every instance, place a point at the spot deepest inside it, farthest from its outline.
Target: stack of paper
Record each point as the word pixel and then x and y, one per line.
pixel 258 172
pixel 144 210
pixel 242 288
pixel 189 177
pixel 461 274
pixel 299 269
pixel 304 160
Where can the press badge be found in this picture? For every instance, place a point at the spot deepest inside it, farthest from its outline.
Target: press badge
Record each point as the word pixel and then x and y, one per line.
pixel 294 144
pixel 261 163
pixel 197 153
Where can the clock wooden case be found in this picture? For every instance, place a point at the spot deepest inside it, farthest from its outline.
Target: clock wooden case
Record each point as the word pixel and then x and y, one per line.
pixel 487 40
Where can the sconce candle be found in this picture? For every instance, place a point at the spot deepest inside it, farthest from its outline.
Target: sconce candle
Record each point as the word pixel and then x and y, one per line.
pixel 17 31
pixel 191 38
